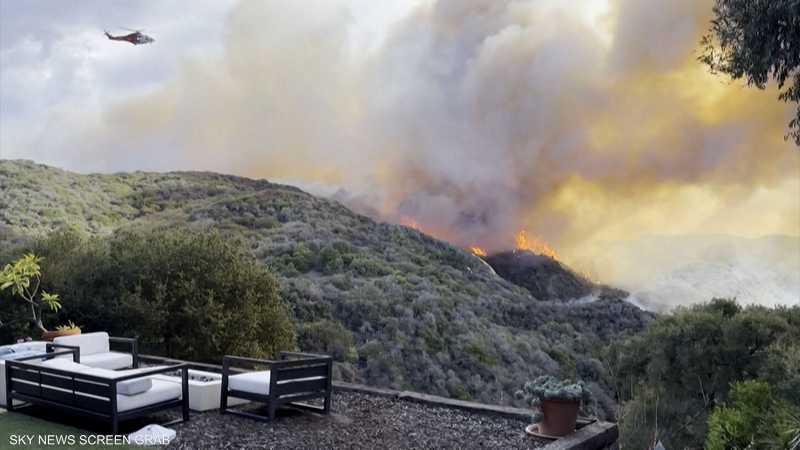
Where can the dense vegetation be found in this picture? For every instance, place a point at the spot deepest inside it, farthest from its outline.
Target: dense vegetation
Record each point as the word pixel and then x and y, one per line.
pixel 397 307
pixel 192 296
pixel 755 418
pixel 677 378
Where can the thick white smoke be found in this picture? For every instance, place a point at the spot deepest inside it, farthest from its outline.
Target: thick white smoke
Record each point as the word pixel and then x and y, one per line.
pixel 580 121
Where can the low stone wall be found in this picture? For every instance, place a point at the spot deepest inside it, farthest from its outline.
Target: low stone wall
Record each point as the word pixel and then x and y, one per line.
pixel 590 436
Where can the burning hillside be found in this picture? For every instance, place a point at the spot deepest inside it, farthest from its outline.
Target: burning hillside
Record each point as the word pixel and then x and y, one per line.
pixel 542 275
pixel 536 266
pixel 534 244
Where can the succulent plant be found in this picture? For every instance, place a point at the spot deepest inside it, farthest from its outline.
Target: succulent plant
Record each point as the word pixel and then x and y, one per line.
pixel 547 387
pixel 69 326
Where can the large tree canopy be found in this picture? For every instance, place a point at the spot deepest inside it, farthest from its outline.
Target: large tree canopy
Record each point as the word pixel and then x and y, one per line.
pixel 758 40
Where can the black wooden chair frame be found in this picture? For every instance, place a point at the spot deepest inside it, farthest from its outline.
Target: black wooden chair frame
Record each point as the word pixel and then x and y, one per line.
pixel 284 385
pixel 34 384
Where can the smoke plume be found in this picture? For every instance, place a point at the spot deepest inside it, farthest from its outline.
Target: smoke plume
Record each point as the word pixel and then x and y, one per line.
pixel 582 122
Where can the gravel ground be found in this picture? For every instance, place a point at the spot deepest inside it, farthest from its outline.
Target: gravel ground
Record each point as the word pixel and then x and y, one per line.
pixel 358 421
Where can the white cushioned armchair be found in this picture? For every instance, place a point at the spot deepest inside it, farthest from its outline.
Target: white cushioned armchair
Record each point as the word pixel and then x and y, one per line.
pixel 292 379
pixel 95 350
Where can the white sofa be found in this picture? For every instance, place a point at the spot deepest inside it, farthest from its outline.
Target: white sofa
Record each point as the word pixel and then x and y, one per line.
pixel 135 393
pixel 96 350
pixel 104 394
pixel 14 351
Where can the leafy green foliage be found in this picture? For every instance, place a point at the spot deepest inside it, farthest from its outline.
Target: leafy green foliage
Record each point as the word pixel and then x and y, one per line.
pixel 328 337
pixel 673 376
pixel 23 278
pixel 754 419
pixel 189 295
pixel 758 41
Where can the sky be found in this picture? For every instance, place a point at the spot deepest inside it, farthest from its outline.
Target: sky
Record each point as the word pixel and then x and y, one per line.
pixel 583 122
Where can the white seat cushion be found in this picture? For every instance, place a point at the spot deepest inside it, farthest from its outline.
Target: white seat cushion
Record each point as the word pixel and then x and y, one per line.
pixel 161 391
pixel 108 360
pixel 253 382
pixel 89 343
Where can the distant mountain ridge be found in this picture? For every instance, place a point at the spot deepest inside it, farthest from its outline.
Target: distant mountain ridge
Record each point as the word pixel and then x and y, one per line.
pixel 423 314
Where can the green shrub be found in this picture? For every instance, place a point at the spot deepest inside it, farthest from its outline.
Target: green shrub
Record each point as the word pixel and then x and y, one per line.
pixel 327 337
pixel 753 419
pixel 672 377
pixel 330 260
pixel 302 258
pixel 185 294
pixel 368 267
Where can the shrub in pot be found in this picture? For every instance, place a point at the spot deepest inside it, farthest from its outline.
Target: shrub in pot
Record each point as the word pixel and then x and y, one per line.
pixel 61 330
pixel 558 403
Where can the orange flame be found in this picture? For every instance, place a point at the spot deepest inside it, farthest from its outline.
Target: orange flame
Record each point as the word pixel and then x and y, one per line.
pixel 410 222
pixel 477 251
pixel 535 245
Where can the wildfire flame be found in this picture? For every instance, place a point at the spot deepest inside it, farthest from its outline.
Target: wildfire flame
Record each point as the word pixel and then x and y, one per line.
pixel 477 251
pixel 410 222
pixel 535 245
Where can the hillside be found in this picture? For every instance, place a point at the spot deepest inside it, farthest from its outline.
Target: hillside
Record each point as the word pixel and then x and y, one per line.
pixel 546 278
pixel 423 314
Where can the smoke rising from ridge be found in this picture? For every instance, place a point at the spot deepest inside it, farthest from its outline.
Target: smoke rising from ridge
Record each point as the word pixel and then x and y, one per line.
pixel 580 121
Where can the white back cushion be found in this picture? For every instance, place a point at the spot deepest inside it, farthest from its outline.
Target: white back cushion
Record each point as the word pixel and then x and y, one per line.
pixel 110 360
pixel 90 343
pixel 160 391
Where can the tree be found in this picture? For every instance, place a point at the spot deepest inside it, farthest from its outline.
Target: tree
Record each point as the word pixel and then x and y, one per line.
pixel 24 277
pixel 674 375
pixel 757 40
pixel 754 418
pixel 186 293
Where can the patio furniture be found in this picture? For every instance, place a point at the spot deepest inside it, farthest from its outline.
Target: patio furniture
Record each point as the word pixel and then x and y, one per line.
pixel 106 395
pixel 294 378
pixel 204 389
pixel 15 351
pixel 96 350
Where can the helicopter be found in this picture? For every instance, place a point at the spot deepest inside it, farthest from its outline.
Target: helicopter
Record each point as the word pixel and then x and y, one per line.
pixel 135 38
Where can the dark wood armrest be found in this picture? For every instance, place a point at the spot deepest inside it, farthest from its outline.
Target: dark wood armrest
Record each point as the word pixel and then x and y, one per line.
pixel 229 361
pixel 50 355
pixel 74 349
pixel 286 355
pixel 133 344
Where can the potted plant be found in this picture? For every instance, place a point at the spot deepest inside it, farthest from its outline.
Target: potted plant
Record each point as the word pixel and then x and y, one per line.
pixel 61 330
pixel 558 402
pixel 23 277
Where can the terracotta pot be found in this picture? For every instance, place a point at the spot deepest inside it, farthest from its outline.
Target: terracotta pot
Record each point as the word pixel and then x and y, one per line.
pixel 50 335
pixel 560 416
